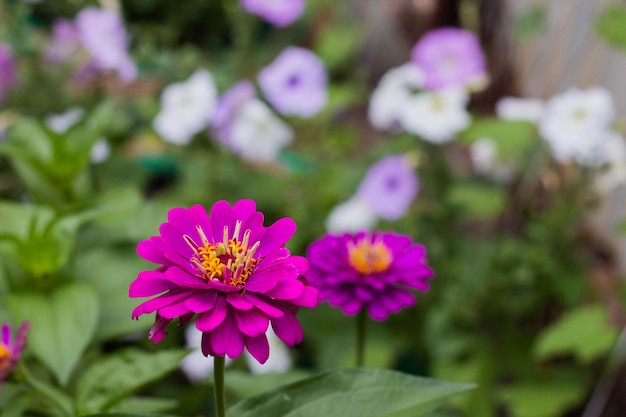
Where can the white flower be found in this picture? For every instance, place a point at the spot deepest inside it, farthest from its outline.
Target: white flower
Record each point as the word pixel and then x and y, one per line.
pixel 615 175
pixel 195 365
pixel 279 360
pixel 515 108
pixel 186 108
pixel 577 123
pixel 436 116
pixel 62 122
pixel 483 155
pixel 351 216
pixel 393 90
pixel 100 151
pixel 257 133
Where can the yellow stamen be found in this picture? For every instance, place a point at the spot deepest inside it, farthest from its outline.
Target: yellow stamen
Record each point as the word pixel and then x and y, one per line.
pixel 231 254
pixel 369 257
pixel 5 356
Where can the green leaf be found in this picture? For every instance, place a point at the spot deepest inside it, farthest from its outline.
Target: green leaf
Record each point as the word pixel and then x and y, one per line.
pixel 512 138
pixel 144 405
pixel 542 399
pixel 530 23
pixel 355 392
pixel 63 324
pixel 115 270
pixel 478 201
pixel 127 415
pixel 119 375
pixel 611 25
pixel 584 333
pixel 244 384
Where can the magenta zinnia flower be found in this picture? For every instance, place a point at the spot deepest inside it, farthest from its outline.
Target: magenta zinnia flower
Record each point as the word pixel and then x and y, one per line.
pixel 11 350
pixel 372 271
pixel 449 57
pixel 295 83
pixel 280 13
pixel 231 271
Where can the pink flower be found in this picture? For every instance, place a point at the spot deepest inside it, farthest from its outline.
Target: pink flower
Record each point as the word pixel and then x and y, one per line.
pixel 11 350
pixel 280 13
pixel 102 34
pixel 7 70
pixel 230 271
pixel 450 57
pixel 389 186
pixel 372 271
pixel 295 83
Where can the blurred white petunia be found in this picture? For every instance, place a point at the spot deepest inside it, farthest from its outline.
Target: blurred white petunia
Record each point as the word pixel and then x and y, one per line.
pixel 523 109
pixel 577 125
pixel 257 133
pixel 351 216
pixel 436 116
pixel 100 151
pixel 195 365
pixel 279 360
pixel 186 108
pixel 390 95
pixel 62 122
pixel 615 174
pixel 483 154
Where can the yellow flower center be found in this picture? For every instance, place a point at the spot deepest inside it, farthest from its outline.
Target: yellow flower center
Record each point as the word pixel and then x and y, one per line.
pixel 5 356
pixel 369 257
pixel 230 261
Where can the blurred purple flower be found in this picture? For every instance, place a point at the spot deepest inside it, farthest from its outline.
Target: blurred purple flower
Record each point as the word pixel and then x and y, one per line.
pixel 230 270
pixel 295 83
pixel 280 13
pixel 372 271
pixel 102 34
pixel 11 350
pixel 8 74
pixel 64 42
pixel 450 57
pixel 389 187
pixel 227 107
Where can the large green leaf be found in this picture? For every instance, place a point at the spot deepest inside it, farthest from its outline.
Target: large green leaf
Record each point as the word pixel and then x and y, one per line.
pixel 110 272
pixel 63 324
pixel 512 138
pixel 351 392
pixel 584 333
pixel 119 375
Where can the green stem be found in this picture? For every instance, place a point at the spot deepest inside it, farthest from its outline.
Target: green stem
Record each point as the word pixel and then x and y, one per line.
pixel 361 330
pixel 219 364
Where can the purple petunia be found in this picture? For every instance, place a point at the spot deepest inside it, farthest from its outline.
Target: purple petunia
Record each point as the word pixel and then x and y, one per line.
pixel 450 57
pixel 227 107
pixel 371 271
pixel 10 349
pixel 102 33
pixel 295 83
pixel 64 43
pixel 280 13
pixel 7 70
pixel 230 271
pixel 389 187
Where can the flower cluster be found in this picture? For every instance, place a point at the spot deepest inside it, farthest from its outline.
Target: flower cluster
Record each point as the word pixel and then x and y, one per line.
pixel 99 32
pixel 368 271
pixel 428 96
pixel 11 349
pixel 231 271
